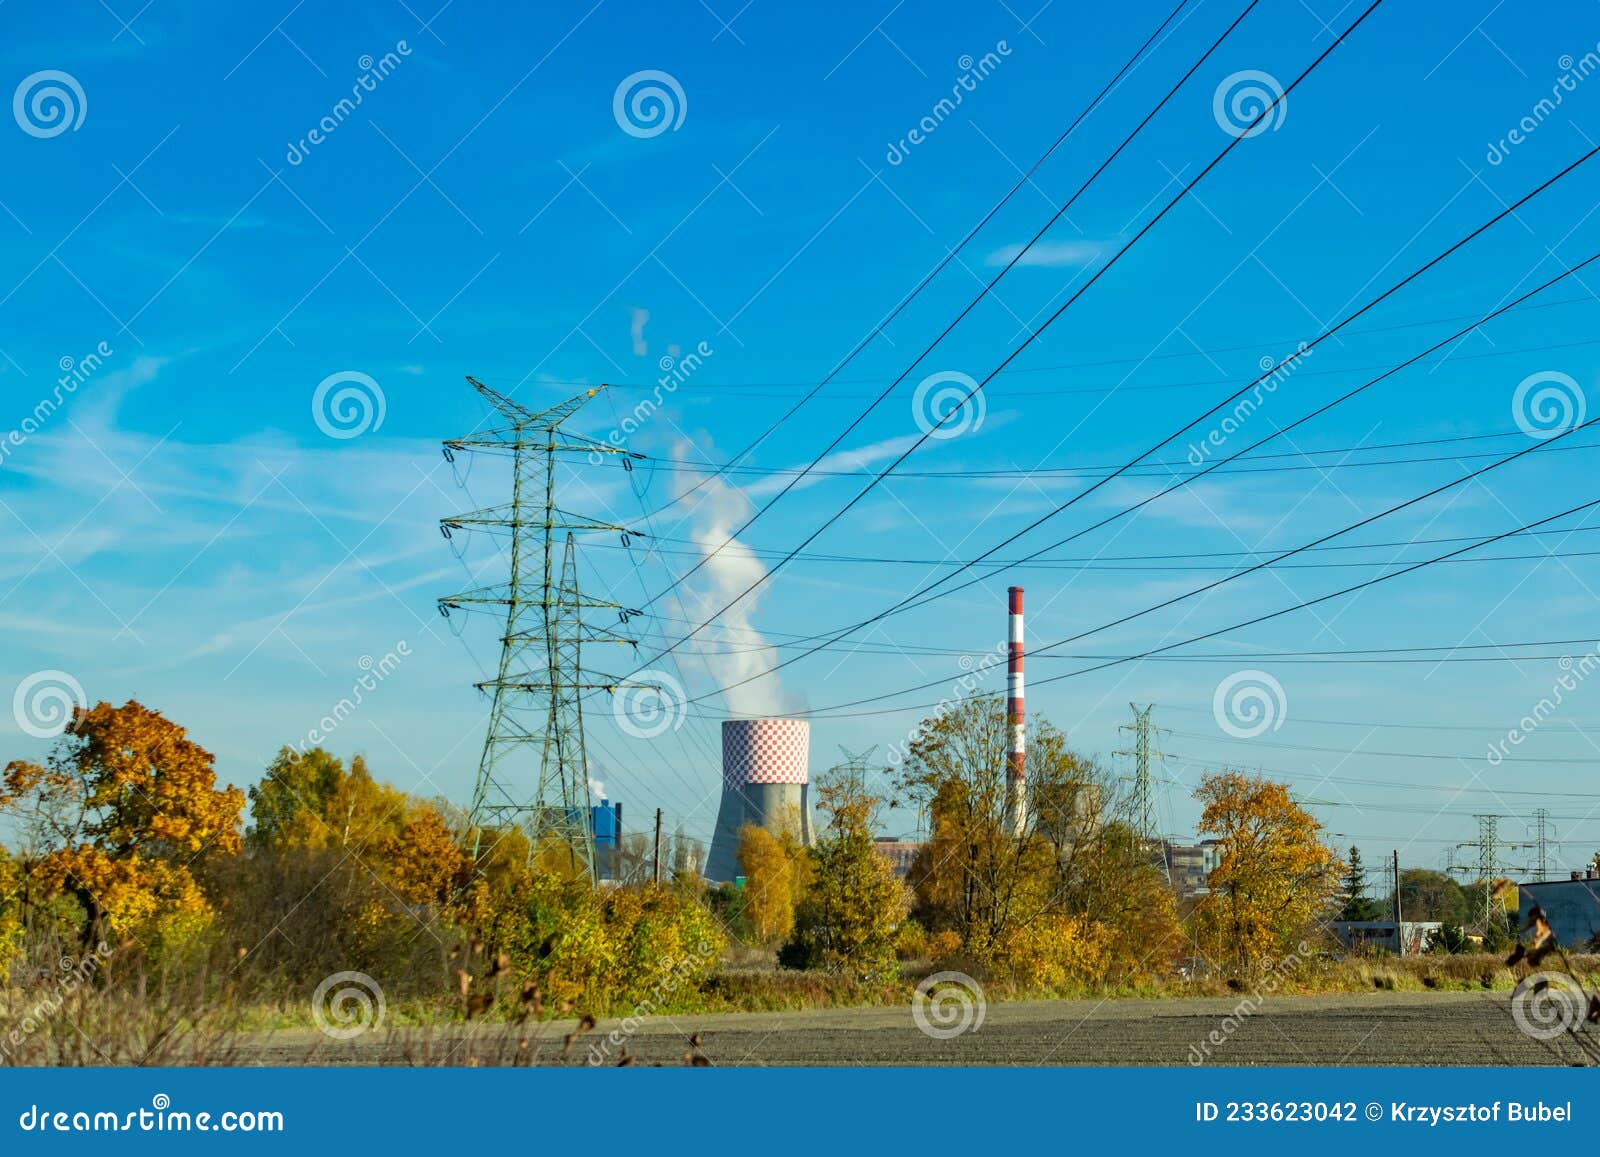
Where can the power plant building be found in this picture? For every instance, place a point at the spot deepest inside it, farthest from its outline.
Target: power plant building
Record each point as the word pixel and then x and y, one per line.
pixel 766 782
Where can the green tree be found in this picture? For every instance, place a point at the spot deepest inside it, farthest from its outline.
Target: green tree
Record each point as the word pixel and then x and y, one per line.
pixel 312 801
pixel 853 903
pixel 1450 939
pixel 295 785
pixel 1429 895
pixel 1357 904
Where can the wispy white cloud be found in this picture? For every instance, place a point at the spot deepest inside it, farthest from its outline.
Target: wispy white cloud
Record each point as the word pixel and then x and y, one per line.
pixel 1051 254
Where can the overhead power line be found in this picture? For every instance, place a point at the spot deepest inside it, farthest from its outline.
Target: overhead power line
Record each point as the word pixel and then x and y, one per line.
pixel 1158 469
pixel 835 711
pixel 925 595
pixel 755 391
pixel 944 262
pixel 1106 267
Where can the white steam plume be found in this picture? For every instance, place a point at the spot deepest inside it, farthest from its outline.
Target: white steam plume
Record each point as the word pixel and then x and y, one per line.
pixel 734 649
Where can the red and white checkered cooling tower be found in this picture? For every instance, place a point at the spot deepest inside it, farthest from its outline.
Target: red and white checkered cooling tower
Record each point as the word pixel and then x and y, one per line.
pixel 765 751
pixel 765 781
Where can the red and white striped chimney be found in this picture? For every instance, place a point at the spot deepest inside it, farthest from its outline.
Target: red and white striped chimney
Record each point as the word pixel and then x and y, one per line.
pixel 1016 769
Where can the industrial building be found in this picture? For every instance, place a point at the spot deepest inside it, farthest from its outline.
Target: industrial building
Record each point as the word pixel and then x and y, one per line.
pixel 1189 866
pixel 1572 906
pixel 899 851
pixel 766 782
pixel 606 823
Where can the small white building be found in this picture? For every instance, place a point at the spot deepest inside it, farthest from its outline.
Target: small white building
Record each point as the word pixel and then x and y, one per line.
pixel 1380 934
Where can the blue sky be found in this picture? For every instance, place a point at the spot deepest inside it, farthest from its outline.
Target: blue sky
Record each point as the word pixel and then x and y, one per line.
pixel 181 529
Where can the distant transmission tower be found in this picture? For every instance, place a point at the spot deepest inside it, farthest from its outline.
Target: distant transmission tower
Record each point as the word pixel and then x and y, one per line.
pixel 1143 804
pixel 534 771
pixel 856 765
pixel 1488 867
pixel 1541 822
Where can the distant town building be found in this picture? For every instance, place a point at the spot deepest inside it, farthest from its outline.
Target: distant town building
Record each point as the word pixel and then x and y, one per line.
pixel 899 852
pixel 1572 906
pixel 1189 866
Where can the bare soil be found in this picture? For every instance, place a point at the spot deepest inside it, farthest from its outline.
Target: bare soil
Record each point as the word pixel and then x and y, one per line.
pixel 1379 1028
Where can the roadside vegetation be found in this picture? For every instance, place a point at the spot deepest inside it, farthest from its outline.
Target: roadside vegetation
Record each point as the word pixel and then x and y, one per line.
pixel 149 914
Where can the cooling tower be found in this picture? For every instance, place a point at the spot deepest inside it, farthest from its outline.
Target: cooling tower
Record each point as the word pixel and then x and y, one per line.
pixel 764 782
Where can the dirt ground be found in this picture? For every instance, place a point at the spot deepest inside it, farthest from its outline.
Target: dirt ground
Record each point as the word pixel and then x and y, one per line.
pixel 1381 1028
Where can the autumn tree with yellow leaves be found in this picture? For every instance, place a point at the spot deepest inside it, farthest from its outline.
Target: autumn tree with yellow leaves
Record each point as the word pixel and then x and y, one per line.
pixel 1275 880
pixel 775 868
pixel 1074 899
pixel 342 872
pixel 119 817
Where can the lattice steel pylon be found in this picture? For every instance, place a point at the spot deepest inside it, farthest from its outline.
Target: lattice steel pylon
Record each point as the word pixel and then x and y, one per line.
pixel 1142 804
pixel 1488 865
pixel 856 765
pixel 534 770
pixel 1541 819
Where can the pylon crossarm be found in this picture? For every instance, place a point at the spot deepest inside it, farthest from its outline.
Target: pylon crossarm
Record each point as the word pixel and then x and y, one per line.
pixel 515 411
pixel 503 440
pixel 606 635
pixel 497 595
pixel 555 415
pixel 596 446
pixel 506 517
pixel 581 522
pixel 514 684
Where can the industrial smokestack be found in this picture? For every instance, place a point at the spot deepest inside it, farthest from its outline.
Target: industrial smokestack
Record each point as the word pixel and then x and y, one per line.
pixel 1016 770
pixel 765 781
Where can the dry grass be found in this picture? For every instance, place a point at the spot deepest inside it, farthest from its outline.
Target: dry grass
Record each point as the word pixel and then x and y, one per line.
pixel 123 1016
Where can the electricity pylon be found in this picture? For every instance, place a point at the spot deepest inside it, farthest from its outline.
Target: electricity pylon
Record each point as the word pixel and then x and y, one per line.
pixel 855 766
pixel 1489 866
pixel 1143 802
pixel 1541 819
pixel 534 771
